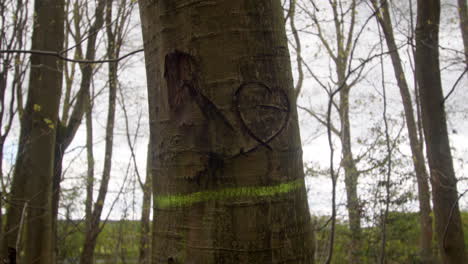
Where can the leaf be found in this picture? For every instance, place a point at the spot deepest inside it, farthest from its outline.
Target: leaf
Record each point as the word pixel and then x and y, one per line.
pixel 37 108
pixel 49 123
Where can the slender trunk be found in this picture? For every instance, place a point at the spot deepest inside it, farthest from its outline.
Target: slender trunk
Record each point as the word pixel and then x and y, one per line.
pixel 448 225
pixel 417 153
pixel 463 13
pixel 351 179
pixel 145 233
pixel 32 180
pixel 65 134
pixel 228 179
pixel 87 256
pixel 344 46
pixel 90 159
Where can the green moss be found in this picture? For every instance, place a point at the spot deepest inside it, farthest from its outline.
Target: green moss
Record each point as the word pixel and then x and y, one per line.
pixel 181 200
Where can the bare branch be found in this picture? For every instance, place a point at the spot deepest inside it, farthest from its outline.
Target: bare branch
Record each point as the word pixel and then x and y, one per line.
pixel 58 55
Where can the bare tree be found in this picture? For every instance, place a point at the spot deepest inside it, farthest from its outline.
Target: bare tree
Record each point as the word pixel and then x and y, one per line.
pixel 115 33
pixel 424 196
pixel 69 123
pixel 448 225
pixel 341 50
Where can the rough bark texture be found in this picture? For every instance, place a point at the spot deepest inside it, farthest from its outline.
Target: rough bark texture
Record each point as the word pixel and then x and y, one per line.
pixel 228 178
pixel 415 143
pixel 145 232
pixel 444 183
pixel 32 180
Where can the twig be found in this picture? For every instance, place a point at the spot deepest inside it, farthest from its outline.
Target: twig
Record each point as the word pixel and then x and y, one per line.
pixel 454 85
pixel 18 238
pixel 60 56
pixel 450 217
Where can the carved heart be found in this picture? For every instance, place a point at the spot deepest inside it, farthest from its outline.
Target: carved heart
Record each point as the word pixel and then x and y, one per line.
pixel 263 112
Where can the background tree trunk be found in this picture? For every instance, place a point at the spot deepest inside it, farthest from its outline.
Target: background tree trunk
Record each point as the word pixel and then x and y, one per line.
pixel 145 235
pixel 444 183
pixel 90 163
pixel 32 180
pixel 351 175
pixel 415 143
pixel 65 134
pixel 93 229
pixel 228 177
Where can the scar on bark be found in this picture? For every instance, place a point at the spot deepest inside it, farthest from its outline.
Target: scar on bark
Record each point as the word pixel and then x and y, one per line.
pixel 179 68
pixel 181 74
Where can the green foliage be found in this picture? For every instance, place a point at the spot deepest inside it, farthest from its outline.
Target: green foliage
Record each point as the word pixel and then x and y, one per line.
pixel 117 243
pixel 119 240
pixel 402 245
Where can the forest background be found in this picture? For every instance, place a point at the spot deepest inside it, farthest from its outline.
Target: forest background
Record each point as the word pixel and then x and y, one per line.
pixel 356 133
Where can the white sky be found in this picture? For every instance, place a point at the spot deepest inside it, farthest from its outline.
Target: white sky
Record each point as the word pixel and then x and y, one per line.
pixel 365 113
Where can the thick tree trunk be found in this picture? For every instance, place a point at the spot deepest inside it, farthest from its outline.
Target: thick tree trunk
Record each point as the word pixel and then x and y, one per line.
pixel 32 180
pixel 463 13
pixel 145 232
pixel 228 177
pixel 415 143
pixel 444 183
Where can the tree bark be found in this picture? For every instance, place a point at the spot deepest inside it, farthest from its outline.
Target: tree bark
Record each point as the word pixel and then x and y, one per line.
pixel 32 180
pixel 415 143
pixel 228 179
pixel 448 225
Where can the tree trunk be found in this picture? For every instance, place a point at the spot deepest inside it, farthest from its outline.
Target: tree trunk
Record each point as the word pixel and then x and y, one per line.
pixel 463 13
pixel 145 233
pixel 32 181
pixel 93 230
pixel 228 179
pixel 448 225
pixel 90 162
pixel 417 154
pixel 65 134
pixel 351 178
